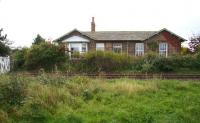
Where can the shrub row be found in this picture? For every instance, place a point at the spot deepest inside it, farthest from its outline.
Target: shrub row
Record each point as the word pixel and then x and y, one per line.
pixel 102 61
pixel 48 56
pixel 151 62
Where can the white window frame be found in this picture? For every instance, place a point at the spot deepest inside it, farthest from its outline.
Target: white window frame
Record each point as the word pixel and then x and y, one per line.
pixel 79 46
pixel 139 49
pixel 163 49
pixel 117 46
pixel 84 48
pixel 100 46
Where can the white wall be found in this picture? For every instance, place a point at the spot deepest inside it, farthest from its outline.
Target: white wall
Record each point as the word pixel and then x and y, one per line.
pixel 4 64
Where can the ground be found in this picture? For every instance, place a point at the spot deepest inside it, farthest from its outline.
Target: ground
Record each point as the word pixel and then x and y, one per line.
pixel 60 99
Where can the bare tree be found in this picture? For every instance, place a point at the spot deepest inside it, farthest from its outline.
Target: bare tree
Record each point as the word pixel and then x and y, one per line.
pixel 194 43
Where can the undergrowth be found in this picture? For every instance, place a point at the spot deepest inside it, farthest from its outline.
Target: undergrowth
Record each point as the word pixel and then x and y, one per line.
pixel 59 99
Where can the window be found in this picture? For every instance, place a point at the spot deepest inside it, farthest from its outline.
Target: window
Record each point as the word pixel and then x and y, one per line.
pixel 117 47
pixel 77 47
pixel 74 47
pixel 163 49
pixel 100 46
pixel 84 47
pixel 139 49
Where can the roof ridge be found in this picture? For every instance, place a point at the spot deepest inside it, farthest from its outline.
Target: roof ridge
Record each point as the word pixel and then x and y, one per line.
pixel 119 31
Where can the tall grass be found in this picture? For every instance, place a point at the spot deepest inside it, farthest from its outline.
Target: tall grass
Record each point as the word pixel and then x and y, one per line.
pixel 84 100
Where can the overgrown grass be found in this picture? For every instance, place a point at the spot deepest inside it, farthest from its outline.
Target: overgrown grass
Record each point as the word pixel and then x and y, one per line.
pixel 58 99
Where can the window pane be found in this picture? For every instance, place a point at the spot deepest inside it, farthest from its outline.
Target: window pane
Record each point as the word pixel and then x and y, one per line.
pixel 117 47
pixel 75 47
pixel 84 45
pixel 100 46
pixel 139 49
pixel 163 48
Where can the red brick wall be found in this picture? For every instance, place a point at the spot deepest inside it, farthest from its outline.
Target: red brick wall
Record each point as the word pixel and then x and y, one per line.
pixel 174 44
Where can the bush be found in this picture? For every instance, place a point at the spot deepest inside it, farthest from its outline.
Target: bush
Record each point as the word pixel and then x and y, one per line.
pixel 12 93
pixel 44 56
pixel 103 61
pixel 151 62
pixel 19 59
pixel 163 64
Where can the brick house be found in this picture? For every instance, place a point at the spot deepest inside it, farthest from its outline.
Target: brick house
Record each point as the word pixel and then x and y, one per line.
pixel 134 43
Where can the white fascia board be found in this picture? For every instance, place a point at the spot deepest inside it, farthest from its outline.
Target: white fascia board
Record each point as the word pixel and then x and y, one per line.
pixel 76 39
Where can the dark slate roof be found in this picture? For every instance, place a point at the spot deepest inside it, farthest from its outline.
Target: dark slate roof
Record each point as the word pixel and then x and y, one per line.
pixel 120 35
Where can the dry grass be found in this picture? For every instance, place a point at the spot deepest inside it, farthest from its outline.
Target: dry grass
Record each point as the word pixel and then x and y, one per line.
pixel 126 86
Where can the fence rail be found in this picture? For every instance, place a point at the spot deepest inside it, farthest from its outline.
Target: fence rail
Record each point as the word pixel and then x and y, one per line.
pixel 131 76
pixel 4 64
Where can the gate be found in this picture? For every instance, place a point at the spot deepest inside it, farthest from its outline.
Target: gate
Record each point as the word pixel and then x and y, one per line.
pixel 4 64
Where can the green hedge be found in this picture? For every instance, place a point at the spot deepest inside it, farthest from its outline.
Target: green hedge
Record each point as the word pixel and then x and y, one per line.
pixel 48 55
pixel 150 62
pixel 102 61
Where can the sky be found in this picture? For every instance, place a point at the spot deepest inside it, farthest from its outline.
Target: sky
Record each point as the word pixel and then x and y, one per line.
pixel 22 20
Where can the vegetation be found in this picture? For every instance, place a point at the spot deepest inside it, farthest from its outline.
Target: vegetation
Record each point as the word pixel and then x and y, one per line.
pixel 38 40
pixel 58 99
pixel 4 48
pixel 48 56
pixel 151 62
pixel 45 56
pixel 194 43
pixel 97 61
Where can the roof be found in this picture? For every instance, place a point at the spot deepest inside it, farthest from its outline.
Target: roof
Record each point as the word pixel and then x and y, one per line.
pixel 119 35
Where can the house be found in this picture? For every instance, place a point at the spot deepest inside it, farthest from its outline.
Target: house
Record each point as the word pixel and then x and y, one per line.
pixel 135 43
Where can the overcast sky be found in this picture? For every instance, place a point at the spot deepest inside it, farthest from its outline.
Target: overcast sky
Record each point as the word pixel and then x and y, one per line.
pixel 22 20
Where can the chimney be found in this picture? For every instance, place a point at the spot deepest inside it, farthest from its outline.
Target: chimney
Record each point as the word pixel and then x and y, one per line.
pixel 92 25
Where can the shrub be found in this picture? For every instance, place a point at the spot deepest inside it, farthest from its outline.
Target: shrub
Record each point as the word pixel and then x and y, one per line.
pixel 44 56
pixel 19 59
pixel 12 93
pixel 151 62
pixel 97 61
pixel 162 64
pixel 185 61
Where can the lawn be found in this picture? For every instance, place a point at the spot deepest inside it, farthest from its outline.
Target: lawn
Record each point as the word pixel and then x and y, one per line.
pixel 57 99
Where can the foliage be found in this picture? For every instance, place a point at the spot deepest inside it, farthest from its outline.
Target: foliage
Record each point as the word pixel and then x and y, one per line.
pixel 19 57
pixel 4 48
pixel 13 92
pixel 150 62
pixel 51 57
pixel 44 56
pixel 103 61
pixel 100 100
pixel 194 43
pixel 38 40
pixel 185 51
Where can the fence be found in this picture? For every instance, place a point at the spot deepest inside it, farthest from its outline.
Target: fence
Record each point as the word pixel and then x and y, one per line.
pixel 4 64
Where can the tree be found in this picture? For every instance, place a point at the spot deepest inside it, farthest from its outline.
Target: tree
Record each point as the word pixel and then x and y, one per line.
pixel 194 43
pixel 45 56
pixel 185 51
pixel 38 40
pixel 4 48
